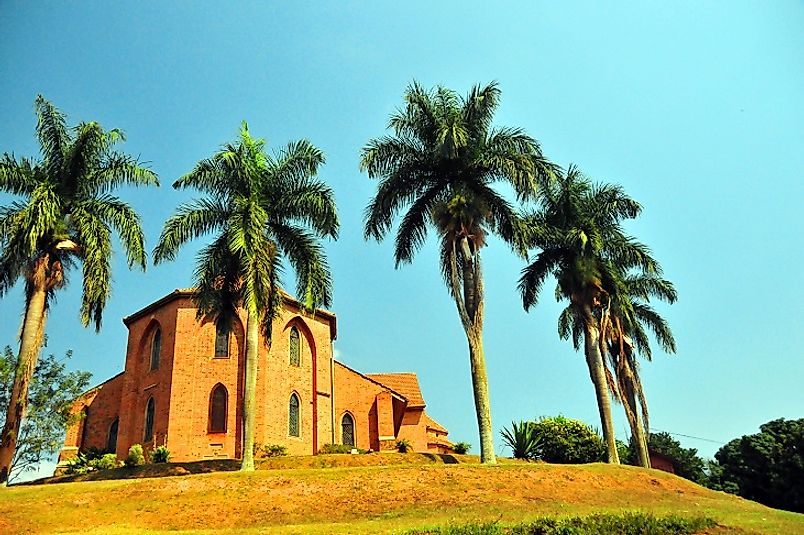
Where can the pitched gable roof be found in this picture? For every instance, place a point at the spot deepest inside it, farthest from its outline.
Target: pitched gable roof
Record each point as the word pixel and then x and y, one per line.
pixel 432 424
pixel 406 384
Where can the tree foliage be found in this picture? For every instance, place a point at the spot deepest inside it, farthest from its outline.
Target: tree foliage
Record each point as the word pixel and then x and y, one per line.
pixel 50 398
pixel 686 461
pixel 567 441
pixel 768 466
pixel 440 167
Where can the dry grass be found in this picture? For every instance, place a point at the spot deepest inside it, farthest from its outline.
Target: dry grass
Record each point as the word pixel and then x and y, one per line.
pixel 396 493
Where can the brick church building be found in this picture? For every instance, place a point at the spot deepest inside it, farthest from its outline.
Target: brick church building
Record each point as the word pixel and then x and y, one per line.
pixel 183 387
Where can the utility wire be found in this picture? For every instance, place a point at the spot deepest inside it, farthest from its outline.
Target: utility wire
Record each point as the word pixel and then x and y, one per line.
pixel 688 436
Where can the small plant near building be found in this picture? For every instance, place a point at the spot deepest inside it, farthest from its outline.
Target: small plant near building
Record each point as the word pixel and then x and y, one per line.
pixel 340 448
pixel 461 448
pixel 136 456
pixel 403 445
pixel 161 454
pixel 265 451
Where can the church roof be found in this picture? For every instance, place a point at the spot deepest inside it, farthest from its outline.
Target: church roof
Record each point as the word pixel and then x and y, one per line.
pixel 432 424
pixel 366 377
pixel 189 292
pixel 406 384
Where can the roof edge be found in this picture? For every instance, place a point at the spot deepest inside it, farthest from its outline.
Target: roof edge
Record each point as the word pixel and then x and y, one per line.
pixel 367 378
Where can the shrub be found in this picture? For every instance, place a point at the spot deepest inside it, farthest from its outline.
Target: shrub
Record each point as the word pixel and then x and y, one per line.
pixel 340 448
pixel 522 440
pixel 136 457
pixel 160 455
pixel 77 465
pixel 567 441
pixel 403 446
pixel 263 451
pixel 596 524
pixel 107 462
pixel 461 448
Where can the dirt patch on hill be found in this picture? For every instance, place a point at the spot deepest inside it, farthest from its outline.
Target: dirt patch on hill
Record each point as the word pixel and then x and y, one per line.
pixel 365 499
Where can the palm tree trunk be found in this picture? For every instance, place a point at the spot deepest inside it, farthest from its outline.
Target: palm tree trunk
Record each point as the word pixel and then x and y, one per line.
pixel 480 387
pixel 30 344
pixel 250 389
pixel 594 360
pixel 473 327
pixel 638 432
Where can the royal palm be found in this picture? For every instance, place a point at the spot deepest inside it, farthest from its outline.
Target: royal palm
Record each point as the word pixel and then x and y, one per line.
pixel 582 244
pixel 66 218
pixel 439 167
pixel 262 209
pixel 627 319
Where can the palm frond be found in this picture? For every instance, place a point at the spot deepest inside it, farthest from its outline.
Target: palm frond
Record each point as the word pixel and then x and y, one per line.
pixel 190 221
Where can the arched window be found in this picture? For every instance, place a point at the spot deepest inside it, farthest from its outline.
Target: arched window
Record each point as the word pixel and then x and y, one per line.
pixel 348 430
pixel 294 347
pixel 218 401
pixel 156 348
pixel 221 343
pixel 148 435
pixel 111 439
pixel 293 415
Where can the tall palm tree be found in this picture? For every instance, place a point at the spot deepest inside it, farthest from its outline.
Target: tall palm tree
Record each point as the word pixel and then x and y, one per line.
pixel 67 217
pixel 262 209
pixel 582 244
pixel 626 317
pixel 440 164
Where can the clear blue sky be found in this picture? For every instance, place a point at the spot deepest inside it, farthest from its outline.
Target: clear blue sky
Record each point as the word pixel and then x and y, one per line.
pixel 695 108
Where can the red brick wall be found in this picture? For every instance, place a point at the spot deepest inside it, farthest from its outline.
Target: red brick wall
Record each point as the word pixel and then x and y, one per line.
pixel 102 407
pixel 140 382
pixel 357 395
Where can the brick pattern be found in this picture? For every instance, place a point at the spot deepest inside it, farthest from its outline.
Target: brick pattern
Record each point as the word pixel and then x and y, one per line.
pixel 188 372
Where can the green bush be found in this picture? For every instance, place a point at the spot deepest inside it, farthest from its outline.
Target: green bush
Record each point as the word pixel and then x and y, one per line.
pixel 522 440
pixel 403 446
pixel 264 451
pixel 107 462
pixel 160 455
pixel 136 457
pixel 77 465
pixel 461 448
pixel 340 448
pixel 598 524
pixel 567 441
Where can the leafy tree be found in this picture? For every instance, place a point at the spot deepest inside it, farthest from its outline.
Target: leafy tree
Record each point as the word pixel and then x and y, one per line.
pixel 767 466
pixel 67 217
pixel 567 441
pixel 522 440
pixel 440 165
pixel 686 462
pixel 262 208
pixel 625 317
pixel 582 244
pixel 50 397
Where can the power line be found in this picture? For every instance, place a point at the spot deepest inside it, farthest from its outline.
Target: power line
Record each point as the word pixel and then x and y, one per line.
pixel 689 436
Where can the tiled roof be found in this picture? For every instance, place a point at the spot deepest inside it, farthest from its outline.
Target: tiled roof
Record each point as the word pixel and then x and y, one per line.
pixel 432 424
pixel 406 384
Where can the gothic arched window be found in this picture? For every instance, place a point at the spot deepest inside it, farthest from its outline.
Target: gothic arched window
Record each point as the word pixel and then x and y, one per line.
pixel 293 415
pixel 221 343
pixel 148 435
pixel 111 439
pixel 218 401
pixel 348 430
pixel 156 348
pixel 295 348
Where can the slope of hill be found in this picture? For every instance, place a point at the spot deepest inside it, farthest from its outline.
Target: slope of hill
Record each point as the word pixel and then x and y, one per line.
pixel 371 499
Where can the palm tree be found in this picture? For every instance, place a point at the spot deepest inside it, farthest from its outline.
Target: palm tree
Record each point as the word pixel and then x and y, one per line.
pixel 440 164
pixel 66 218
pixel 584 247
pixel 262 209
pixel 626 317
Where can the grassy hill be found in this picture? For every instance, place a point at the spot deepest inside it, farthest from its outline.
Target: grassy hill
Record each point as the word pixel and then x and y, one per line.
pixel 387 494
